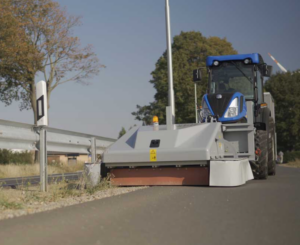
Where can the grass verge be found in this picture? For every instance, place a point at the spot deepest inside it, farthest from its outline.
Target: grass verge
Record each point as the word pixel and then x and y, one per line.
pixel 23 170
pixel 27 194
pixel 294 164
pixel 28 199
pixel 6 204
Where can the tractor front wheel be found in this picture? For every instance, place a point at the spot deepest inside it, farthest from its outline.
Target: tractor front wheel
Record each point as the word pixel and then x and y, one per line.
pixel 261 144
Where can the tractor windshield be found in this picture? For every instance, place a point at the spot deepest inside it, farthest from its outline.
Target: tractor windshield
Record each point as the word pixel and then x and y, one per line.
pixel 232 76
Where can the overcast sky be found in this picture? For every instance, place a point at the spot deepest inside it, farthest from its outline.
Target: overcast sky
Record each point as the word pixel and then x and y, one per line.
pixel 129 37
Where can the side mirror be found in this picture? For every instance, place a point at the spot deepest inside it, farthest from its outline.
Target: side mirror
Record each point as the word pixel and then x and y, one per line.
pixel 256 94
pixel 197 76
pixel 267 70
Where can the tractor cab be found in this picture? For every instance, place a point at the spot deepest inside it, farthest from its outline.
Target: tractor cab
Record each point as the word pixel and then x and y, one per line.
pixel 233 80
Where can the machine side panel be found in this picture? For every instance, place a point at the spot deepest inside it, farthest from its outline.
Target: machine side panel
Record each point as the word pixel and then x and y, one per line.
pixel 269 100
pixel 241 137
pixel 186 145
pixel 229 173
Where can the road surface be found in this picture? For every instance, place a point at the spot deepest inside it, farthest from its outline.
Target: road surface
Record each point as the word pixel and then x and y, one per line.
pixel 261 212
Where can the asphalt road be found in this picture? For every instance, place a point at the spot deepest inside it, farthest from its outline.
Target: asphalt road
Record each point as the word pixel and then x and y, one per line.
pixel 260 212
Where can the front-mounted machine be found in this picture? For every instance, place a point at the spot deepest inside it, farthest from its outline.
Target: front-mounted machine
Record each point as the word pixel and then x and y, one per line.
pixel 234 138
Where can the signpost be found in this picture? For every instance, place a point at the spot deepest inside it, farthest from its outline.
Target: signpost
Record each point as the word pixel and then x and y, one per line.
pixel 42 123
pixel 196 78
pixel 196 102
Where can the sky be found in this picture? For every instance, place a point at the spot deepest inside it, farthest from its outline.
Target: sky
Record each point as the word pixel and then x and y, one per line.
pixel 128 37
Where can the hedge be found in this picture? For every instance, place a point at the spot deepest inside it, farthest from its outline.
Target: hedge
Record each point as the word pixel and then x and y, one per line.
pixel 290 156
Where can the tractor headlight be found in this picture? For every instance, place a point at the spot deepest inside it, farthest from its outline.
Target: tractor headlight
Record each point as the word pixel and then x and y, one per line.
pixel 216 63
pixel 205 110
pixel 232 110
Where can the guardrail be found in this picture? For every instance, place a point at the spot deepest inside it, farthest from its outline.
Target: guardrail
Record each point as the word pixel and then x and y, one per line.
pixel 14 135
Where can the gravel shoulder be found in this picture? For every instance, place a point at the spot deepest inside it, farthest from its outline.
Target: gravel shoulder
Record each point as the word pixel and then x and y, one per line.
pixel 25 201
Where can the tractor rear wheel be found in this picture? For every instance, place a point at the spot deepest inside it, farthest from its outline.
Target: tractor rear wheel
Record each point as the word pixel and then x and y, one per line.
pixel 261 144
pixel 271 148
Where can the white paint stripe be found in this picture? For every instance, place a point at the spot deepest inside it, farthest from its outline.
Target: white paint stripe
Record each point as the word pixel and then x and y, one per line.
pixel 40 108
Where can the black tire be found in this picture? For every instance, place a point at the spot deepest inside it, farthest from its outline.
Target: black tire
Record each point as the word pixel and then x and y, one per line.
pixel 261 143
pixel 271 148
pixel 103 170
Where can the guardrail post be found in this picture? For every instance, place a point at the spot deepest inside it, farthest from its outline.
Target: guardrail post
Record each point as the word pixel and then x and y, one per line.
pixel 93 150
pixel 43 160
pixel 92 170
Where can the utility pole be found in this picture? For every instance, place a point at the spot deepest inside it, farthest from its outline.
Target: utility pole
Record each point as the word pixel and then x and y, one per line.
pixel 170 67
pixel 197 77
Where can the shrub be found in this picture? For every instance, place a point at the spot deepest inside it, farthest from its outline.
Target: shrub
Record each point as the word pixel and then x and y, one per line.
pixel 291 156
pixel 8 156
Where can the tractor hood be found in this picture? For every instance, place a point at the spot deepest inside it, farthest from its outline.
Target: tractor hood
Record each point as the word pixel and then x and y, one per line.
pixel 226 107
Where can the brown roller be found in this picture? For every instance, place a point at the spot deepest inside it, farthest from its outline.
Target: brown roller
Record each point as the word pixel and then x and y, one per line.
pixel 160 176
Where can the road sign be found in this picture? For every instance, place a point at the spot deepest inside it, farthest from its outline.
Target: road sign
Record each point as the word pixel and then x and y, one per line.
pixel 42 104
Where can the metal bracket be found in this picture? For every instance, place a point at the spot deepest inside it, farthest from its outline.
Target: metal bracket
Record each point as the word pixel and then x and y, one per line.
pixel 36 129
pixel 226 143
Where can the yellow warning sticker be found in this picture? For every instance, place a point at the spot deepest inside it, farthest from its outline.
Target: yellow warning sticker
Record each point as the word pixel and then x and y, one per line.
pixel 153 155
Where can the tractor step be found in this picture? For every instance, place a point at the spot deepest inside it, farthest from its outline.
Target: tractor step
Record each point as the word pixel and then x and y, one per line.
pixel 160 176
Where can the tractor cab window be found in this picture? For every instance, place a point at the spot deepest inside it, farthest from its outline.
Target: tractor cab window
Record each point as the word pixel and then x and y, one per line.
pixel 231 77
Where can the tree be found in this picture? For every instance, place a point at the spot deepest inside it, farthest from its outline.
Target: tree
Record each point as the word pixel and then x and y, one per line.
pixel 189 50
pixel 122 132
pixel 36 38
pixel 285 89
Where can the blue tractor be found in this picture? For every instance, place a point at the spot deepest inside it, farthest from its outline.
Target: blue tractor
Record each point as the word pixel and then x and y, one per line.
pixel 234 80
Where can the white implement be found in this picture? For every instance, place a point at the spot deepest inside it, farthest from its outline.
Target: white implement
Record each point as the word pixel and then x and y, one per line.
pixel 230 173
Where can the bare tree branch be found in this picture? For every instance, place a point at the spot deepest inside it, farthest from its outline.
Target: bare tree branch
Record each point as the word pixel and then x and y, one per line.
pixel 36 36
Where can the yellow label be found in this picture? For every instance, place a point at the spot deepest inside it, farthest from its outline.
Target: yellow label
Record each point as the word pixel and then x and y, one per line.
pixel 153 155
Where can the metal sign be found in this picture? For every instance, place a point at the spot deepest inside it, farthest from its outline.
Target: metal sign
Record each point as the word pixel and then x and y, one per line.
pixel 41 104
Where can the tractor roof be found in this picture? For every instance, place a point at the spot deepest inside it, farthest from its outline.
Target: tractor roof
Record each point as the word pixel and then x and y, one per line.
pixel 255 57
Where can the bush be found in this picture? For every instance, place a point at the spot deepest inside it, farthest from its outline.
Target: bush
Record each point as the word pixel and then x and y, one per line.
pixel 291 156
pixel 7 157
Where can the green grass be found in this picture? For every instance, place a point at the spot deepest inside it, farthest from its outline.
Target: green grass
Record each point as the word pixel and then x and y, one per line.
pixel 6 204
pixel 24 195
pixel 103 185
